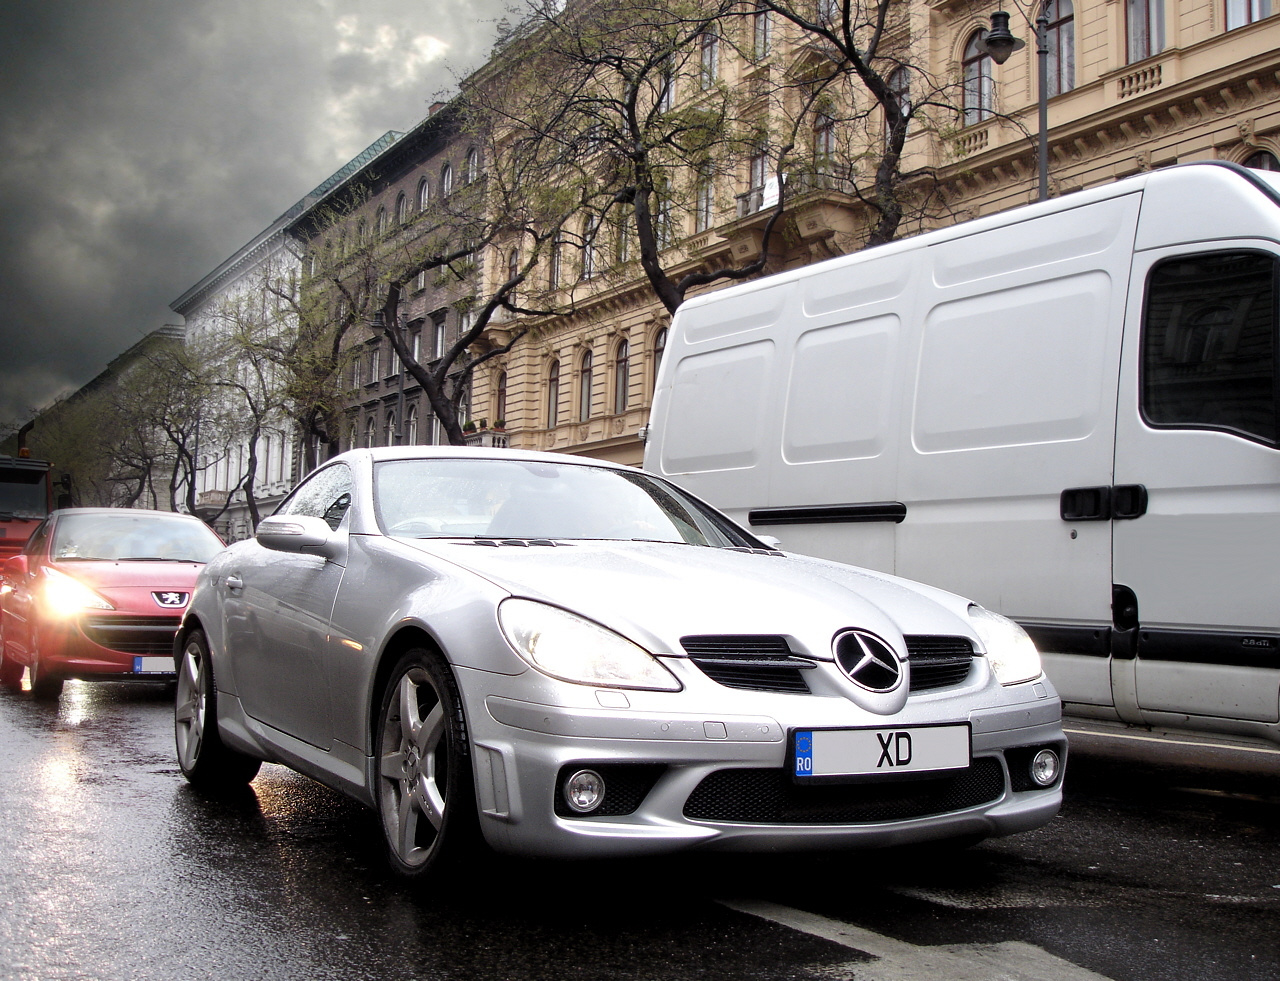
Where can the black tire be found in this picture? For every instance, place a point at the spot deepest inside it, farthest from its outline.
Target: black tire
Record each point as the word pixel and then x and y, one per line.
pixel 204 759
pixel 10 670
pixel 425 796
pixel 46 685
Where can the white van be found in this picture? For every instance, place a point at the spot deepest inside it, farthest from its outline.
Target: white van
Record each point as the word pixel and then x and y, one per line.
pixel 1067 412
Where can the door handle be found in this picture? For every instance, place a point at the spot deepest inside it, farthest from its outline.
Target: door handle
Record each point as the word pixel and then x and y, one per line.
pixel 234 582
pixel 1122 502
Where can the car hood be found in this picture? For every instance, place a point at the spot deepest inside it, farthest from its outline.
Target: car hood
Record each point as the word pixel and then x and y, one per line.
pixel 657 593
pixel 128 583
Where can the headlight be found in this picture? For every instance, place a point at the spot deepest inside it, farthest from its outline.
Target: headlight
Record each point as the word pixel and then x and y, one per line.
pixel 1012 653
pixel 573 649
pixel 65 597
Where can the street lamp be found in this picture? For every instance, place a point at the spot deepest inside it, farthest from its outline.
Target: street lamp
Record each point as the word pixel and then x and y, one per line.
pixel 999 43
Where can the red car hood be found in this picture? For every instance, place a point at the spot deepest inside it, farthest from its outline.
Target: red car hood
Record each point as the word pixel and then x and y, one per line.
pixel 129 585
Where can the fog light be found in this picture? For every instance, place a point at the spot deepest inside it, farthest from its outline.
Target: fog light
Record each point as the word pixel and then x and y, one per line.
pixel 584 791
pixel 1044 767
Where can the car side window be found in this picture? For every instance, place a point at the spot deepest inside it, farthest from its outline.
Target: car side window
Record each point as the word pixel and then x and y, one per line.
pixel 325 494
pixel 1209 344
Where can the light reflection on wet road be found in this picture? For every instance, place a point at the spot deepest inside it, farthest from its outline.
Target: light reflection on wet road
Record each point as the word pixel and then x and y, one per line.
pixel 115 869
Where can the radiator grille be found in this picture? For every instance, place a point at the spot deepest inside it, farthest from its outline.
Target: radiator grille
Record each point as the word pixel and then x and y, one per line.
pixel 756 663
pixel 132 634
pixel 938 662
pixel 768 796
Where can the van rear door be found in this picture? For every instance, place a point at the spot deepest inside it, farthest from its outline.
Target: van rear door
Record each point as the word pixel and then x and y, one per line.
pixel 1198 547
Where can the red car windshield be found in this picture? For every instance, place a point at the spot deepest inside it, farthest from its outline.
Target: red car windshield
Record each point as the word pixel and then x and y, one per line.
pixel 132 537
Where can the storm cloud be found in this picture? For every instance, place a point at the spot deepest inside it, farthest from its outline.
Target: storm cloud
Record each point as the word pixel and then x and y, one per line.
pixel 142 142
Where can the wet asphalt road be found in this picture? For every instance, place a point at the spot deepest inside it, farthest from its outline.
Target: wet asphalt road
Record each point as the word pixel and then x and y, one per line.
pixel 1164 864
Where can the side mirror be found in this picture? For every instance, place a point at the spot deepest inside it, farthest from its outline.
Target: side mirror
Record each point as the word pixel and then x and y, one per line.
pixel 299 533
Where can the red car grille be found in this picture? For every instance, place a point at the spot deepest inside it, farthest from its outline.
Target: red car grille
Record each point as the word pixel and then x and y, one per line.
pixel 132 635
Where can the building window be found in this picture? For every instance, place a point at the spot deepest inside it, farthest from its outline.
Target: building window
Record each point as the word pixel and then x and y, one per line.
pixel 553 262
pixel 659 348
pixel 900 89
pixel 585 379
pixel 416 346
pixel 382 222
pixel 704 198
pixel 828 11
pixel 590 248
pixel 411 427
pixel 375 353
pixel 362 233
pixel 1061 40
pixel 473 165
pixel 1144 21
pixel 1262 160
pixel 757 177
pixel 761 33
pixel 446 181
pixel 979 91
pixel 824 143
pixel 553 395
pixel 709 48
pixel 1242 12
pixel 391 429
pixel 371 432
pixel 663 224
pixel 424 194
pixel 438 337
pixel 621 376
pixel 666 87
pixel 513 276
pixel 623 248
pixel 500 400
pixel 402 208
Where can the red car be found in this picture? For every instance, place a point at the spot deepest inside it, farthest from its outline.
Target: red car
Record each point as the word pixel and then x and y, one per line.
pixel 97 594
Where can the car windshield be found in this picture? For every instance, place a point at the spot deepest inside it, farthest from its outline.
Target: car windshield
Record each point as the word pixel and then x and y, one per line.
pixel 132 536
pixel 451 498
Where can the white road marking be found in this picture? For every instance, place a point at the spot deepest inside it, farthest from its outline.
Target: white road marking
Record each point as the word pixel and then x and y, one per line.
pixel 897 960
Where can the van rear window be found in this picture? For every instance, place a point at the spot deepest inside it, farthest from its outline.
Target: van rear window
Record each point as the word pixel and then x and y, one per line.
pixel 1209 344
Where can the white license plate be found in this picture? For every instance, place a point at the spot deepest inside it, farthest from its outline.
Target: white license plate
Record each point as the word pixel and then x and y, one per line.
pixel 820 753
pixel 153 665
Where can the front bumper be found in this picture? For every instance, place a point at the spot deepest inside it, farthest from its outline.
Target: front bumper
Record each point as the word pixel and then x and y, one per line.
pixel 719 780
pixel 108 647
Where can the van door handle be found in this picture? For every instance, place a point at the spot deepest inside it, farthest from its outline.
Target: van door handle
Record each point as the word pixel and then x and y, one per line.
pixel 1128 501
pixel 1085 504
pixel 1123 502
pixel 234 582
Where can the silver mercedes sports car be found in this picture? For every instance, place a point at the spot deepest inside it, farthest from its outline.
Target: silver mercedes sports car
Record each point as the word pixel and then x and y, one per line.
pixel 572 658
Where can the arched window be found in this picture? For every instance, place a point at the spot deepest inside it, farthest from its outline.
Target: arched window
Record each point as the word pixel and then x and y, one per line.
pixel 979 91
pixel 621 376
pixel 659 348
pixel 391 429
pixel 446 181
pixel 1262 160
pixel 553 395
pixel 424 194
pixel 500 399
pixel 473 165
pixel 402 208
pixel 411 426
pixel 585 380
pixel 1061 40
pixel 900 86
pixel 362 232
pixel 824 143
pixel 382 222
pixel 371 432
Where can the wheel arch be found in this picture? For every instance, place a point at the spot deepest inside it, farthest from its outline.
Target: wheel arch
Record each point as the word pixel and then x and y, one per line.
pixel 398 644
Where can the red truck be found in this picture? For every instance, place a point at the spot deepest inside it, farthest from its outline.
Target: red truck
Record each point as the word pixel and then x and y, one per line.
pixel 26 498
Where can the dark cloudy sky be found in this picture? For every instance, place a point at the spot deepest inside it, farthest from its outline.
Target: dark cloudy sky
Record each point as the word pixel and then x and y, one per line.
pixel 142 142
